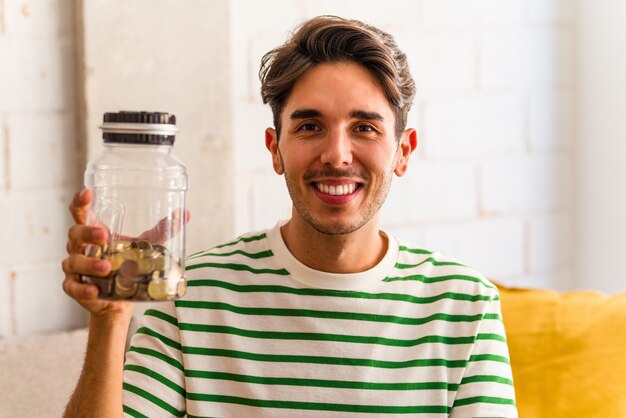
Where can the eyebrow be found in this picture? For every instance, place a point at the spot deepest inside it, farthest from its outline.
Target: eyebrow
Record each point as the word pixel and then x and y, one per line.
pixel 362 114
pixel 305 113
pixel 355 114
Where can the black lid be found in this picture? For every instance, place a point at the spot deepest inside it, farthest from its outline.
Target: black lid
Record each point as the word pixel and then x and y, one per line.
pixel 130 127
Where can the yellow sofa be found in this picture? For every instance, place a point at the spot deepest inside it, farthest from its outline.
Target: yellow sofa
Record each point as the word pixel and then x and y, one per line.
pixel 568 352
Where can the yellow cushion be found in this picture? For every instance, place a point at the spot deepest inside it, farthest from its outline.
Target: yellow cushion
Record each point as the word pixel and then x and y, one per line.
pixel 568 352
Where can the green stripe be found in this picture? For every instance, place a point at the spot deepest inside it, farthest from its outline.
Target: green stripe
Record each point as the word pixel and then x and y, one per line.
pixel 320 360
pixel 339 361
pixel 156 376
pixel 414 250
pixel 437 279
pixel 150 397
pixel 319 406
pixel 161 315
pixel 256 256
pixel 288 381
pixel 336 293
pixel 431 261
pixel 486 378
pixel 356 316
pixel 237 241
pixel 238 267
pixel 156 354
pixel 488 357
pixel 244 239
pixel 483 399
pixel 162 338
pixel 130 411
pixel 496 337
pixel 309 336
pixel 493 316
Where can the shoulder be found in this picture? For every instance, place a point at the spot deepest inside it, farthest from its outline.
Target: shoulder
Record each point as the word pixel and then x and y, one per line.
pixel 252 241
pixel 247 255
pixel 440 271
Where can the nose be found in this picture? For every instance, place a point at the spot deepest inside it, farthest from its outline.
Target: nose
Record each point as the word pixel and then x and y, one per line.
pixel 337 151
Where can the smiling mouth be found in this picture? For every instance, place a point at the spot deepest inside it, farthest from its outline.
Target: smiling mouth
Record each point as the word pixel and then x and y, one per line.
pixel 338 189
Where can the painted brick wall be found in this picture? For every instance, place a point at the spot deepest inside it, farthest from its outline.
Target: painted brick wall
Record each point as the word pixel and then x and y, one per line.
pixel 490 182
pixel 39 164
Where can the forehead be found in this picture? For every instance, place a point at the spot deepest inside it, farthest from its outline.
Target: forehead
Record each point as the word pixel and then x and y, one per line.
pixel 337 89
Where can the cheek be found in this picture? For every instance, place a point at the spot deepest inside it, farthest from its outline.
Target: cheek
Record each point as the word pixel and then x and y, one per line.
pixel 378 161
pixel 293 164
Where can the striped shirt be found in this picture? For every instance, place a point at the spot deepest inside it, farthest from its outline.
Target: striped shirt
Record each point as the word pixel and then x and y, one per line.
pixel 259 334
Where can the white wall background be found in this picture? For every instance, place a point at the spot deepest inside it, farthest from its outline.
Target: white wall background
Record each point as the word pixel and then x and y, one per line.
pixel 600 204
pixel 39 166
pixel 491 180
pixel 501 179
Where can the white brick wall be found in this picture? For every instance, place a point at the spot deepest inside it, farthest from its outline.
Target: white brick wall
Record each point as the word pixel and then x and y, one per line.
pixel 39 164
pixel 4 163
pixel 432 192
pixel 527 183
pixel 551 121
pixel 42 306
pixel 474 125
pixel 490 181
pixel 494 246
pixel 6 308
pixel 40 146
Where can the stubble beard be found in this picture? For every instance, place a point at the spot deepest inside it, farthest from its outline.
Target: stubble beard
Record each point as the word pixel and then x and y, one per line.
pixel 338 228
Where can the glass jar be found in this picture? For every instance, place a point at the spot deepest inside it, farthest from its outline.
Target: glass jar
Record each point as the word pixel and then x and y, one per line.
pixel 139 195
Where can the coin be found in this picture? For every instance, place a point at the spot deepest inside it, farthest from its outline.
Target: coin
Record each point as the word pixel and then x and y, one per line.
pixel 125 287
pixel 132 254
pixel 182 287
pixel 146 265
pixel 160 248
pixel 104 285
pixel 157 289
pixel 116 261
pixel 129 269
pixel 161 263
pixel 142 292
pixel 93 251
pixel 151 253
pixel 139 271
pixel 119 246
pixel 144 245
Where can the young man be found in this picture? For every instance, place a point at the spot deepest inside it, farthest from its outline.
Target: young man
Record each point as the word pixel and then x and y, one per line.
pixel 324 314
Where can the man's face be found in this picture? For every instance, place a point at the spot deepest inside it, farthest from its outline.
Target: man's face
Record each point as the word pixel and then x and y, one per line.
pixel 337 148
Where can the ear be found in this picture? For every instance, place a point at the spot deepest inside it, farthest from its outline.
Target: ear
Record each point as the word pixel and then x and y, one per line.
pixel 408 144
pixel 271 143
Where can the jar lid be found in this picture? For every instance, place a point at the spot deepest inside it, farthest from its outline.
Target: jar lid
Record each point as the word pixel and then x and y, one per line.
pixel 130 127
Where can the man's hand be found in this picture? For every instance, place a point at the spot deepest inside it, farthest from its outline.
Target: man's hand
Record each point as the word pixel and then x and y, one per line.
pixel 99 389
pixel 79 236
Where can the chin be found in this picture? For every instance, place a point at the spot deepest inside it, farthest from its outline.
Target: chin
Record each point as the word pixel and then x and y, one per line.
pixel 335 228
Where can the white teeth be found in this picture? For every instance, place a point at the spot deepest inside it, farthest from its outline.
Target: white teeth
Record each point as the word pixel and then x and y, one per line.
pixel 339 190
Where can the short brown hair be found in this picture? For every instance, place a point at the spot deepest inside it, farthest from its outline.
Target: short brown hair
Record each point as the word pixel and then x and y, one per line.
pixel 334 39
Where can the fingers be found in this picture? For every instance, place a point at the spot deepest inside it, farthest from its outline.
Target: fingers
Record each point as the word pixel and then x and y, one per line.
pixel 80 235
pixel 79 291
pixel 77 264
pixel 79 205
pixel 167 227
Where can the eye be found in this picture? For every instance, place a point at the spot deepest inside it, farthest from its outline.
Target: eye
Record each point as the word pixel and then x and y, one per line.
pixel 365 128
pixel 309 127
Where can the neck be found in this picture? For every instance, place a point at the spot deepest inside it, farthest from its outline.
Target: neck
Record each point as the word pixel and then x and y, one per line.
pixel 347 253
